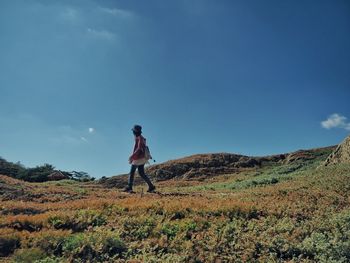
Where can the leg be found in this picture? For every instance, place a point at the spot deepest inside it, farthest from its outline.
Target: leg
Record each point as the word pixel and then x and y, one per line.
pixel 131 176
pixel 141 169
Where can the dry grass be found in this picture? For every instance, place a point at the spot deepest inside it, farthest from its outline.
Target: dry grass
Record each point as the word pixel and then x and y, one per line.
pixel 302 216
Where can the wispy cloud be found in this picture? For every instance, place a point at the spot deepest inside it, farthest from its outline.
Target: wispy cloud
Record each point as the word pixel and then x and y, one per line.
pixel 68 135
pixel 101 34
pixel 70 15
pixel 121 13
pixel 72 135
pixel 65 139
pixel 336 121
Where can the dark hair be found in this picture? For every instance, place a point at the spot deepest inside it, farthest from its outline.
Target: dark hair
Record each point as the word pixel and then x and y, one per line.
pixel 137 130
pixel 137 133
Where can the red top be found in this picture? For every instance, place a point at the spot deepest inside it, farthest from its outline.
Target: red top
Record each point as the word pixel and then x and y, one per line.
pixel 139 148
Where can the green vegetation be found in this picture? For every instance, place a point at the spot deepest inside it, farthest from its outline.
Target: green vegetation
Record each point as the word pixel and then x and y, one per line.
pixel 266 175
pixel 17 170
pixel 38 174
pixel 287 212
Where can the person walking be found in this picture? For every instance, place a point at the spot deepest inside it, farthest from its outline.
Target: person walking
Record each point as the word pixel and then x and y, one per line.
pixel 138 160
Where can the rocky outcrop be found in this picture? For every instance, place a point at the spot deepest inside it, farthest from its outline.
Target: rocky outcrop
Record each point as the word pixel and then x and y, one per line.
pixel 341 154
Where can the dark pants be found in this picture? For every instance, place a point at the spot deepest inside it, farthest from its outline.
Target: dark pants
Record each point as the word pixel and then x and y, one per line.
pixel 141 169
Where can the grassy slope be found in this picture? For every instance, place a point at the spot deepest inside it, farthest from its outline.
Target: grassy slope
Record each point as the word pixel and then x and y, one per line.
pixel 279 213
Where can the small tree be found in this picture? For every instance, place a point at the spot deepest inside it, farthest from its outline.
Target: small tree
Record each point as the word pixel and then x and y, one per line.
pixel 39 173
pixel 11 169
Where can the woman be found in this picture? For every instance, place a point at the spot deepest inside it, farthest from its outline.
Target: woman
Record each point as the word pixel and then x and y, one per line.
pixel 138 160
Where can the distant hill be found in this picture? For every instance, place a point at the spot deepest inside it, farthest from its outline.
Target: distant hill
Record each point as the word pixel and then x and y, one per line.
pixel 341 154
pixel 204 166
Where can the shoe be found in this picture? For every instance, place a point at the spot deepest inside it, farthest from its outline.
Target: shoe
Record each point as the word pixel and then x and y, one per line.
pixel 151 189
pixel 127 189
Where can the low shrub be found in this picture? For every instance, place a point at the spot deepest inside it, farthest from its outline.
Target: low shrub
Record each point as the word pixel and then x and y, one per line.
pixel 170 230
pixel 138 228
pixel 51 241
pixel 78 221
pixel 100 245
pixel 29 255
pixel 49 260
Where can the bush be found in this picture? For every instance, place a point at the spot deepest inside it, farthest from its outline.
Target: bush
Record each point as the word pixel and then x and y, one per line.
pixel 331 242
pixel 170 230
pixel 283 249
pixel 29 255
pixel 73 244
pixel 51 241
pixel 138 228
pixel 79 221
pixel 49 260
pixel 101 244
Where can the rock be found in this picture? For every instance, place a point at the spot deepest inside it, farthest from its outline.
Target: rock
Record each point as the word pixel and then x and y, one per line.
pixel 341 154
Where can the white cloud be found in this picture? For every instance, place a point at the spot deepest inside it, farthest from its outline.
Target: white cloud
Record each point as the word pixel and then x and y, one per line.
pixel 91 130
pixel 336 121
pixel 102 34
pixel 83 139
pixel 117 12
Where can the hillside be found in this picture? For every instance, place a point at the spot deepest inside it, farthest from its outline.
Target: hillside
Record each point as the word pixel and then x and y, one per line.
pixel 205 166
pixel 281 208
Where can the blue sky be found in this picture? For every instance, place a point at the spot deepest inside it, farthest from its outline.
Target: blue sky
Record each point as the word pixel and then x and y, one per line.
pixel 248 77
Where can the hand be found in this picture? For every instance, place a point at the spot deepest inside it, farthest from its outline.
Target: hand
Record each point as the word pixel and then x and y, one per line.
pixel 130 160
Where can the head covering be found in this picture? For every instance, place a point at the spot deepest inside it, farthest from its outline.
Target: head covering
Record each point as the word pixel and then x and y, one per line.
pixel 137 129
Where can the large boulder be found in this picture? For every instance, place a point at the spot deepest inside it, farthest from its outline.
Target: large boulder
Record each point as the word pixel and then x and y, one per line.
pixel 341 154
